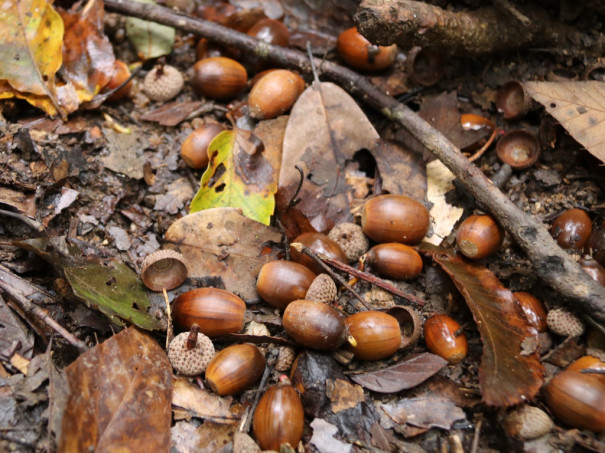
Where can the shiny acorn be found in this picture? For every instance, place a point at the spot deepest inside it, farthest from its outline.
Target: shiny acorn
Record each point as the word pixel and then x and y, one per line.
pixel 376 335
pixel 571 229
pixel 359 53
pixel 281 282
pixel 194 150
pixel 314 325
pixel 478 237
pixel 318 243
pixel 534 310
pixel 219 78
pixel 394 260
pixel 234 369
pixel 440 338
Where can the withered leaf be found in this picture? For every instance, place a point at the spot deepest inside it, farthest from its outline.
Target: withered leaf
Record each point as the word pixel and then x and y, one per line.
pixel 325 129
pixel 423 412
pixel 172 113
pixel 506 375
pixel 324 440
pixel 401 376
pixel 201 403
pixel 223 242
pixel 343 394
pixel 579 107
pixel 119 397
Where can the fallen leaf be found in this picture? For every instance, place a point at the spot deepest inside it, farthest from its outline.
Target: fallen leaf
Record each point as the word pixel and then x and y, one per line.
pixel 325 129
pixel 125 152
pixel 88 60
pixel 150 39
pixel 423 412
pixel 324 440
pixel 506 376
pixel 14 332
pixel 31 38
pixel 172 113
pixel 215 438
pixel 201 403
pixel 108 286
pixel 579 107
pixel 25 204
pixel 343 394
pixel 238 176
pixel 223 242
pixel 401 376
pixel 119 397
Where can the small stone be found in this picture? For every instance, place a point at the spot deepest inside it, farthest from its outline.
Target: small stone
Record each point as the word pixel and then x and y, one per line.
pixel 323 289
pixel 351 239
pixel 565 323
pixel 190 362
pixel 285 358
pixel 527 422
pixel 163 83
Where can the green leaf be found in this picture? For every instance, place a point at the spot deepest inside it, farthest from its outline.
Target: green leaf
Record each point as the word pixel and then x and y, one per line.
pixel 150 39
pixel 238 176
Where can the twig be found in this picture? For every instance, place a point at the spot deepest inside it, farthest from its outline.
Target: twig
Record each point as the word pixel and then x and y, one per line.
pixel 300 248
pixel 510 8
pixel 370 278
pixel 244 426
pixel 32 223
pixel 551 263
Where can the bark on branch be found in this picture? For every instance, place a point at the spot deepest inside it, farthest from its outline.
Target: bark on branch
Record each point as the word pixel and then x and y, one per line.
pixel 410 23
pixel 552 263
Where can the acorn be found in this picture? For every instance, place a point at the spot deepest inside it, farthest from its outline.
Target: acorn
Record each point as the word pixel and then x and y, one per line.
pixel 586 362
pixel 519 149
pixel 595 246
pixel 120 75
pixel 351 239
pixel 314 325
pixel 163 83
pixel 190 352
pixel 359 53
pixel 194 150
pixel 594 269
pixel 572 229
pixel 440 338
pixel 395 218
pixel 279 418
pixel 206 49
pixel 274 94
pixel 270 31
pixel 163 269
pixel 565 323
pixel 527 422
pixel 281 282
pixel 512 100
pixel 533 308
pixel 219 78
pixel 318 243
pixel 217 311
pixel 394 260
pixel 376 335
pixel 234 369
pixel 478 237
pixel 577 399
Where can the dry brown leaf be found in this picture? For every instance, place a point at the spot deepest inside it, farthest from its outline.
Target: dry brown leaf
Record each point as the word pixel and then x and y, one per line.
pixel 201 403
pixel 343 394
pixel 325 129
pixel 579 107
pixel 119 397
pixel 222 242
pixel 422 412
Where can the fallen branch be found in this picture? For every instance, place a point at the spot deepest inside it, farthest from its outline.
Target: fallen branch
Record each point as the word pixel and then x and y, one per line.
pixel 552 264
pixel 486 30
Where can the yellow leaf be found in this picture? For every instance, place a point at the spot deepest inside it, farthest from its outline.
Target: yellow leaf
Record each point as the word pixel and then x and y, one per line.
pixel 238 176
pixel 31 38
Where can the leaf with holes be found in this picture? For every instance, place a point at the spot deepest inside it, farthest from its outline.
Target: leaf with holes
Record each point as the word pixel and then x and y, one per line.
pixel 238 176
pixel 507 375
pixel 579 107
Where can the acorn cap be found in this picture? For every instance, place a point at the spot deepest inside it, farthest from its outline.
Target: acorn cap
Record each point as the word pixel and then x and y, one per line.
pixel 190 362
pixel 285 358
pixel 163 83
pixel 351 239
pixel 323 289
pixel 527 422
pixel 565 323
pixel 163 269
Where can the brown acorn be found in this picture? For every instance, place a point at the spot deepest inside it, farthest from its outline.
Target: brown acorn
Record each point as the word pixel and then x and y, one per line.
pixel 440 338
pixel 376 335
pixel 194 149
pixel 395 218
pixel 571 229
pixel 512 100
pixel 217 311
pixel 219 78
pixel 394 260
pixel 121 73
pixel 318 243
pixel 359 53
pixel 478 237
pixel 234 369
pixel 279 418
pixel 281 282
pixel 274 94
pixel 534 310
pixel 314 325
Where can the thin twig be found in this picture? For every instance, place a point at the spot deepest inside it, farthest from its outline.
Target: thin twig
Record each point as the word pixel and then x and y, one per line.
pixel 300 248
pixel 550 262
pixel 32 223
pixel 244 426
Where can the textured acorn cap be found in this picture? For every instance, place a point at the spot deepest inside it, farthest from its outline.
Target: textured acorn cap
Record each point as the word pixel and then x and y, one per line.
pixel 163 83
pixel 527 422
pixel 190 362
pixel 285 358
pixel 565 323
pixel 163 269
pixel 351 239
pixel 323 289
